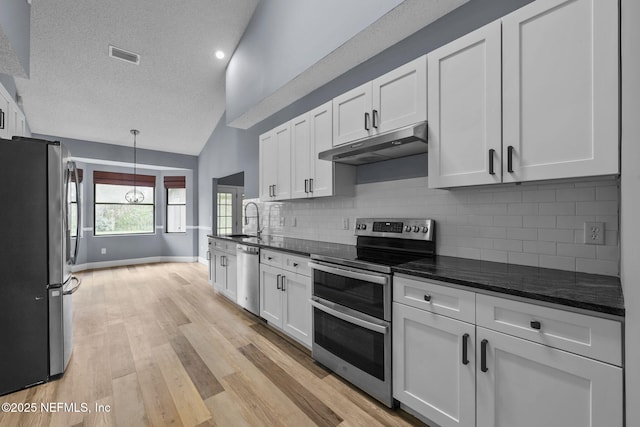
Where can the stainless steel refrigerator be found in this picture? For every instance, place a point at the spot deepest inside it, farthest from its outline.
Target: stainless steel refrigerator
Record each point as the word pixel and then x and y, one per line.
pixel 39 229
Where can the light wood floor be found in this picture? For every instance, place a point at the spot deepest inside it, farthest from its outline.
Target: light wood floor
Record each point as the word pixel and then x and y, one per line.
pixel 155 344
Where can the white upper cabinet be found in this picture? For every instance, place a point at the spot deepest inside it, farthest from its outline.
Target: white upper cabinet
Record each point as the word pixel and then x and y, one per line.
pixel 558 95
pixel 12 120
pixel 5 115
pixel 352 115
pixel 560 89
pixel 400 97
pixel 268 164
pixel 311 133
pixel 394 100
pixel 275 164
pixel 465 123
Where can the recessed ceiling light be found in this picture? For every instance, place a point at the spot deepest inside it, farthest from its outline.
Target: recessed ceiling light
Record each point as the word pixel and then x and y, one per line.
pixel 219 54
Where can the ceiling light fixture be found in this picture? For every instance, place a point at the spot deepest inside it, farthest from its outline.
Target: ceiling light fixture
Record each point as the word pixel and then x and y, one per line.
pixel 219 54
pixel 134 196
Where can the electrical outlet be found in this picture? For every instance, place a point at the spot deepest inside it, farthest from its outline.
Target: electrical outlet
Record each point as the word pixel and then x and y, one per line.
pixel 103 251
pixel 345 223
pixel 594 233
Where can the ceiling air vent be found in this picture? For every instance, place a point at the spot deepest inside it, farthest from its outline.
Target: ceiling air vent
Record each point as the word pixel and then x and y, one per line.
pixel 123 55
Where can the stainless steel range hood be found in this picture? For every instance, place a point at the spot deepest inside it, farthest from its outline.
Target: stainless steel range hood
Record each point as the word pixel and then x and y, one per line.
pixel 401 142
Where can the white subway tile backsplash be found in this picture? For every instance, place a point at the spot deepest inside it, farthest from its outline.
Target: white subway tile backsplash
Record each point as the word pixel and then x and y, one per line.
pixel 530 224
pixel 555 235
pixel 540 221
pixel 576 251
pixel 597 266
pixel 507 245
pixel 522 209
pixel 539 196
pixel 507 221
pixel 576 194
pixel 522 233
pixel 494 255
pixel 608 193
pixel 523 258
pixel 558 262
pixel 557 208
pixel 539 247
pixel 597 208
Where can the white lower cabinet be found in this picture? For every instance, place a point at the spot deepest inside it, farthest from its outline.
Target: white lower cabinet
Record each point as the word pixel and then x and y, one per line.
pixel 285 292
pixel 526 384
pixel 433 373
pixel 528 365
pixel 223 270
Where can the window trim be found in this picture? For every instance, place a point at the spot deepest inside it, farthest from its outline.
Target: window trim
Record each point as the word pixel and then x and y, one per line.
pixel 173 182
pixel 124 180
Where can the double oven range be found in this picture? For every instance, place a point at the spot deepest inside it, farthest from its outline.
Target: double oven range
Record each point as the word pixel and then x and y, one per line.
pixel 352 299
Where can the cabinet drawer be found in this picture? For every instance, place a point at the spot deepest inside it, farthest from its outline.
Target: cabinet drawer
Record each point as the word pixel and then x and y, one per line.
pixel 222 245
pixel 438 298
pixel 272 258
pixel 296 264
pixel 589 336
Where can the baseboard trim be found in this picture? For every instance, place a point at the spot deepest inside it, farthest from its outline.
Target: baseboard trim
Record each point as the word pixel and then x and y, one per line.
pixel 203 261
pixel 124 262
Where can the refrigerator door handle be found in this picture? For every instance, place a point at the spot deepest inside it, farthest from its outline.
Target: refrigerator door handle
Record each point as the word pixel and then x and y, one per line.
pixel 75 288
pixel 74 169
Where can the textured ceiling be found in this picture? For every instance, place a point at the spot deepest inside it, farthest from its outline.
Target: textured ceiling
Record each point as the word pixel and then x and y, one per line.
pixel 175 96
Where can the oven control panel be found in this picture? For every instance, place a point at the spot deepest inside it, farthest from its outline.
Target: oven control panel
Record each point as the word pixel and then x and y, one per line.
pixel 401 228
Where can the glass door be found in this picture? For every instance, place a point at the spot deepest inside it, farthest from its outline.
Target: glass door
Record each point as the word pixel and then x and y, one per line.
pixel 229 209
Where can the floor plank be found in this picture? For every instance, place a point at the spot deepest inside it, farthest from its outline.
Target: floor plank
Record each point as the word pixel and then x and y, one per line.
pixel 156 344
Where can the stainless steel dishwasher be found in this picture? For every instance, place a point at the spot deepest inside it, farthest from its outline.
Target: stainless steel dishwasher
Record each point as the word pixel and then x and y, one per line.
pixel 248 292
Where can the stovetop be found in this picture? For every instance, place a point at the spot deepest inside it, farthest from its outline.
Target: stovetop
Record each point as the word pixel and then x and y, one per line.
pixel 386 242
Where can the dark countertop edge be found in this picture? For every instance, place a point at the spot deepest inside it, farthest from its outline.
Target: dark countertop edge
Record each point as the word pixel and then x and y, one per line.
pixel 565 302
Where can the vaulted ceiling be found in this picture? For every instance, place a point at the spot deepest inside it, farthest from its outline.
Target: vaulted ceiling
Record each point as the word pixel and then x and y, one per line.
pixel 175 96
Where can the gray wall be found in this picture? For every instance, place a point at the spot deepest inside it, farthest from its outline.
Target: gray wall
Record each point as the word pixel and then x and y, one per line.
pixel 9 84
pixel 287 37
pixel 159 244
pixel 15 23
pixel 231 150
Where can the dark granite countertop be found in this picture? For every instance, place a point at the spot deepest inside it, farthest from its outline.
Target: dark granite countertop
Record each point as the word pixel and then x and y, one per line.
pixel 598 293
pixel 592 292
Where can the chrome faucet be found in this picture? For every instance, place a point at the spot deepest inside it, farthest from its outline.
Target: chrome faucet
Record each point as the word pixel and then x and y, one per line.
pixel 257 217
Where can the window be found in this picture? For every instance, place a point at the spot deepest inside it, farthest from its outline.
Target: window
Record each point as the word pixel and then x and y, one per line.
pixel 113 214
pixel 176 204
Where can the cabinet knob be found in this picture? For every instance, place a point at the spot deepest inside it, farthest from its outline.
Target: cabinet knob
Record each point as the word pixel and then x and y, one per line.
pixel 427 298
pixel 295 264
pixel 535 325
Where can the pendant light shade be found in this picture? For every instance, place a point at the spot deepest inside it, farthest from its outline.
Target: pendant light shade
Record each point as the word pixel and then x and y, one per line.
pixel 134 196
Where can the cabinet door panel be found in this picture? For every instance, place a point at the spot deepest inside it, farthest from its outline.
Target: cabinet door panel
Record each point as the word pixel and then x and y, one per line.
pixel 231 285
pixel 296 318
pixel 349 113
pixel 560 88
pixel 282 136
pixel 300 157
pixel 268 165
pixel 531 385
pixel 5 118
pixel 270 295
pixel 400 96
pixel 465 120
pixel 321 121
pixel 428 373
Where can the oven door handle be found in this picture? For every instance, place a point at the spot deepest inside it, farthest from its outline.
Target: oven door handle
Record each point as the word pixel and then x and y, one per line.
pixel 349 318
pixel 367 277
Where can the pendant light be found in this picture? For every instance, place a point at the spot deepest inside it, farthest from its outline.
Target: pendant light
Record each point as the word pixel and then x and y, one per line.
pixel 134 196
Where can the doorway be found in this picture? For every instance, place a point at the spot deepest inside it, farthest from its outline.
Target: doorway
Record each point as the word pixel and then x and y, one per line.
pixel 227 197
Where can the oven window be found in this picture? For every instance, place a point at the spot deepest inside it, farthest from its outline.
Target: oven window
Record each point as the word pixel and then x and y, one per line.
pixel 358 346
pixel 365 297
